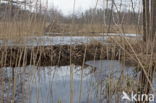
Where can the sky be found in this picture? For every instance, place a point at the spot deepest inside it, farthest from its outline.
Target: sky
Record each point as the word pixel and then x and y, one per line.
pixel 66 6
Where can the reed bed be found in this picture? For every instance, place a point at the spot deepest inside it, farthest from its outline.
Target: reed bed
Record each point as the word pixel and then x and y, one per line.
pixel 129 51
pixel 132 54
pixel 56 55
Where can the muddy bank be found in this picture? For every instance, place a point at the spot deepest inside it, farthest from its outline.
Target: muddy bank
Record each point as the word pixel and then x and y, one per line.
pixel 57 55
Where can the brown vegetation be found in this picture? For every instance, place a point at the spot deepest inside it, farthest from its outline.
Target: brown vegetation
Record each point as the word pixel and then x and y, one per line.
pixel 55 55
pixel 131 51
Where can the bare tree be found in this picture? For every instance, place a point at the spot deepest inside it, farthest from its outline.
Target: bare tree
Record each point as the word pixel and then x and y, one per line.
pixel 153 19
pixel 149 19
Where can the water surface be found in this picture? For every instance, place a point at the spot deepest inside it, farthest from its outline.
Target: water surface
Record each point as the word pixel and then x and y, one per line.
pixel 60 40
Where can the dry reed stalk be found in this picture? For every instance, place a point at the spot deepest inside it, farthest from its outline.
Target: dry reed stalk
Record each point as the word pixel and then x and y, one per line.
pixel 83 64
pixel 55 55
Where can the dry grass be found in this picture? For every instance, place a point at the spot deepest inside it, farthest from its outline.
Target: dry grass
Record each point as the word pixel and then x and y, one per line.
pixel 90 29
pixel 101 28
pixel 13 30
pixel 130 51
pixel 121 40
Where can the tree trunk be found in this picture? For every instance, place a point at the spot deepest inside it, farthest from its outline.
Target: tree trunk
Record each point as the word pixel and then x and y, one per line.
pixel 153 18
pixel 149 19
pixel 144 22
pixel 146 19
pixel 147 3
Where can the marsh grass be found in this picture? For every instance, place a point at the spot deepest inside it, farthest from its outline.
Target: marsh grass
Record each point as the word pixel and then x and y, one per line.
pixel 132 51
pixel 13 30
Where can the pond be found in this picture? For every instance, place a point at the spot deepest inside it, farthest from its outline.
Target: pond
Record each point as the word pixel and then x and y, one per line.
pixel 96 82
pixel 59 40
pixel 61 84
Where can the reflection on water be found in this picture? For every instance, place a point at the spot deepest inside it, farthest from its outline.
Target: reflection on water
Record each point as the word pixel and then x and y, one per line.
pixel 60 40
pixel 49 40
pixel 53 84
pixel 106 68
